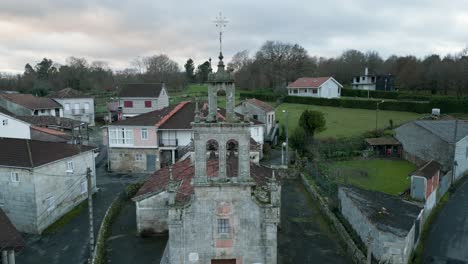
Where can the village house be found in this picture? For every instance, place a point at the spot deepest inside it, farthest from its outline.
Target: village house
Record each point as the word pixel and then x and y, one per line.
pixel 324 87
pixel 156 139
pixel 41 181
pixel 11 240
pixel 75 105
pixel 372 82
pixel 217 207
pixel 30 105
pixel 262 112
pixel 386 222
pixel 425 181
pixel 444 141
pixel 140 98
pixel 12 127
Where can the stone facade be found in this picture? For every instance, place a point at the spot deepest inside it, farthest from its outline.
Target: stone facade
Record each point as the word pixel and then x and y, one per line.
pixel 43 194
pixel 134 159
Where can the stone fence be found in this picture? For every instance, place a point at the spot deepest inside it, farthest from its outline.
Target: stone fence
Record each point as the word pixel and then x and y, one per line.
pixel 351 248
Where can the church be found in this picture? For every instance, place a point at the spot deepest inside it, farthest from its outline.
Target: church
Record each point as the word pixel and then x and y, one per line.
pixel 217 206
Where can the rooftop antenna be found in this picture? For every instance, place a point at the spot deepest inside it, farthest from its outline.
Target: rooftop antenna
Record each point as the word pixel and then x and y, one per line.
pixel 220 23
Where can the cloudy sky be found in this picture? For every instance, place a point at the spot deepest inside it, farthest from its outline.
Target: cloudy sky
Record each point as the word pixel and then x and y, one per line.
pixel 117 31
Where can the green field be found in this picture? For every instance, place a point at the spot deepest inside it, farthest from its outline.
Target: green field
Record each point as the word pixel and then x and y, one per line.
pixel 344 122
pixel 383 175
pixel 200 91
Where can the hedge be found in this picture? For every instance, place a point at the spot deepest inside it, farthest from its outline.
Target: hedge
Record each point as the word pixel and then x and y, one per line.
pixel 393 95
pixel 269 97
pixel 446 106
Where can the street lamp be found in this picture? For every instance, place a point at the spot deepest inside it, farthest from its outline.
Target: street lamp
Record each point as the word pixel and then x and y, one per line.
pixel 287 137
pixel 377 114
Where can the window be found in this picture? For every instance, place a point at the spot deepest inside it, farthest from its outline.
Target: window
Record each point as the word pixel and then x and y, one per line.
pixel 122 136
pixel 86 106
pixel 5 122
pixel 314 91
pixel 128 104
pixel 144 133
pixel 70 166
pixel 148 104
pixel 50 203
pixel 15 176
pixel 67 107
pixel 295 91
pixel 223 226
pixel 138 156
pixel 42 111
pixel 36 112
pixel 84 187
pixel 255 117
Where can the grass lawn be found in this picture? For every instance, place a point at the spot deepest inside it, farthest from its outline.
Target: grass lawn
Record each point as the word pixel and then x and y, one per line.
pixel 383 175
pixel 344 122
pixel 200 91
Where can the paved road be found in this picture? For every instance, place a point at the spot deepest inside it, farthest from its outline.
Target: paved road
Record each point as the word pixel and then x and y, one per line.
pixel 70 244
pixel 447 241
pixel 305 237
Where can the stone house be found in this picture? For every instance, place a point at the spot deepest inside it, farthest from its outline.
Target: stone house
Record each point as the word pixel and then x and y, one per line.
pixel 140 98
pixel 425 181
pixel 75 105
pixel 152 140
pixel 323 87
pixel 41 181
pixel 30 105
pixel 444 141
pixel 217 207
pixel 386 221
pixel 373 82
pixel 11 240
pixel 262 112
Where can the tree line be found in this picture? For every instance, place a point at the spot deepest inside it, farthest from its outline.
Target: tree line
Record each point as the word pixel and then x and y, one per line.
pixel 273 66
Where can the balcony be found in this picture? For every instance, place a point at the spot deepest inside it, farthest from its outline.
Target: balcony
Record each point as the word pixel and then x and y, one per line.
pixel 78 111
pixel 163 142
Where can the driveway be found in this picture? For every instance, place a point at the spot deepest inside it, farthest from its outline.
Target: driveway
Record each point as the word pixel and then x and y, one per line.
pixel 447 240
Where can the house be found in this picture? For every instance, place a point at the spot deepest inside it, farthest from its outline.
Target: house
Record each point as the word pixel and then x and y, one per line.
pixel 217 207
pixel 324 87
pixel 140 98
pixel 41 181
pixel 75 105
pixel 384 146
pixel 156 139
pixel 444 141
pixel 13 127
pixel 30 105
pixel 386 221
pixel 11 240
pixel 371 82
pixel 262 112
pixel 425 180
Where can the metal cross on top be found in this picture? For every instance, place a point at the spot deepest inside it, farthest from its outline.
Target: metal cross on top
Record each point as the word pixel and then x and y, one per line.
pixel 221 23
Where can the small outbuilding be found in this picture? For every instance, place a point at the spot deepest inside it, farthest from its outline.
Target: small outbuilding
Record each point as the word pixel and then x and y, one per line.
pixel 425 180
pixel 385 146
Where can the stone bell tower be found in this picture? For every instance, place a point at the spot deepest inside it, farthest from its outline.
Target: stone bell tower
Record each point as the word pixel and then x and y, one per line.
pixel 227 132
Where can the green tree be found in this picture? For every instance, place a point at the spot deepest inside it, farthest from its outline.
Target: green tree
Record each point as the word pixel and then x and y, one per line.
pixel 296 140
pixel 202 71
pixel 189 70
pixel 312 122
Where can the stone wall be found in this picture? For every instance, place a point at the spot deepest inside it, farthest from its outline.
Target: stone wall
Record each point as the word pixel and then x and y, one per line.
pixel 253 227
pixel 123 160
pixel 152 213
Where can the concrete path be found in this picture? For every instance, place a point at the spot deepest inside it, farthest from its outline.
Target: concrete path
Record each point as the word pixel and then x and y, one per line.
pixel 305 237
pixel 447 241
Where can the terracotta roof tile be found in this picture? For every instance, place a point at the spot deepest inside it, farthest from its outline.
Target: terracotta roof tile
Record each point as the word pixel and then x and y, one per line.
pixel 260 104
pixel 306 82
pixel 10 238
pixel 30 101
pixel 184 171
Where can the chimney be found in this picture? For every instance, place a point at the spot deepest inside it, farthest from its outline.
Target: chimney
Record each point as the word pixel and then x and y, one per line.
pixel 366 71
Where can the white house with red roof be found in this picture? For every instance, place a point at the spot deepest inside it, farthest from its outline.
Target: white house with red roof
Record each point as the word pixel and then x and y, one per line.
pixel 263 112
pixel 324 87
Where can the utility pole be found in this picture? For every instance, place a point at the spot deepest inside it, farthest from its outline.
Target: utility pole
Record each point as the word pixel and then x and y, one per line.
pixel 369 249
pixel 90 211
pixel 454 164
pixel 287 137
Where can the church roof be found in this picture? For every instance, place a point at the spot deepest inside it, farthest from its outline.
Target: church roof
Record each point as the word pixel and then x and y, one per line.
pixel 184 171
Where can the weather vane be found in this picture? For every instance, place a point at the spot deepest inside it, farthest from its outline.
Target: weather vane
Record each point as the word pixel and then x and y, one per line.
pixel 221 23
